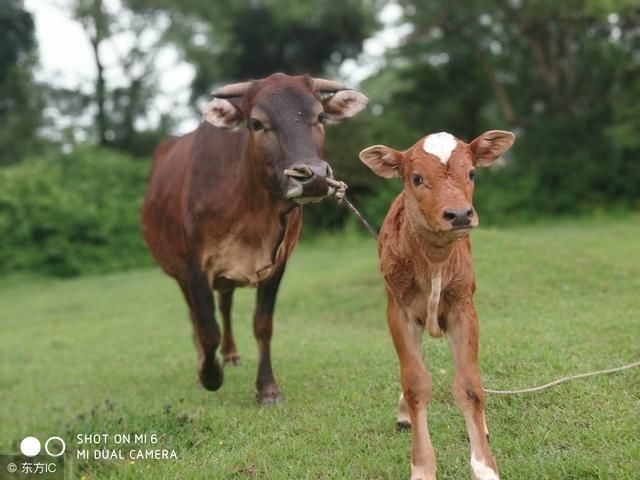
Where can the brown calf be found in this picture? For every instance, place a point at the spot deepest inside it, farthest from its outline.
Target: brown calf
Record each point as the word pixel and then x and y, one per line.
pixel 425 257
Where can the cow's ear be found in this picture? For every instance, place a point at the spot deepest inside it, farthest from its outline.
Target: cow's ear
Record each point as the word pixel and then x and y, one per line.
pixel 222 113
pixel 490 146
pixel 344 104
pixel 384 161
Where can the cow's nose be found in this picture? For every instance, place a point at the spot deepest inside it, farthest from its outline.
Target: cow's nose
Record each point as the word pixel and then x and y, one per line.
pixel 304 171
pixel 458 217
pixel 320 168
pixel 301 171
pixel 308 179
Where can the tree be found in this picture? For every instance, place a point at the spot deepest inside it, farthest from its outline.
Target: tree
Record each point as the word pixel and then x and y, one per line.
pixel 119 106
pixel 237 40
pixel 97 25
pixel 20 107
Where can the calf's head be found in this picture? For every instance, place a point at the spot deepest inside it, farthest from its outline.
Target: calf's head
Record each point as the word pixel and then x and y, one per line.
pixel 285 117
pixel 438 174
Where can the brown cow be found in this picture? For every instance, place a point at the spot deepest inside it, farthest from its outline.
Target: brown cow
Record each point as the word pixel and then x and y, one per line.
pixel 425 257
pixel 222 208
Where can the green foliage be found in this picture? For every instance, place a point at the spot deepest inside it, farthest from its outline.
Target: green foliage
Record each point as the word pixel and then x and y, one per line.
pixel 20 115
pixel 73 213
pixel 16 35
pixel 563 75
pixel 20 105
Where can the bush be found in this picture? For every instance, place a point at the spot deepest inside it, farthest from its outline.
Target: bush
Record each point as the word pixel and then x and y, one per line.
pixel 73 213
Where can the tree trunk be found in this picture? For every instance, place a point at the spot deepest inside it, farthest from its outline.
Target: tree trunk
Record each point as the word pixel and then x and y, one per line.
pixel 101 118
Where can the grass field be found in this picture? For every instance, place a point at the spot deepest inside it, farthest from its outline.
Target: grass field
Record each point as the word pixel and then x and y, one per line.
pixel 114 354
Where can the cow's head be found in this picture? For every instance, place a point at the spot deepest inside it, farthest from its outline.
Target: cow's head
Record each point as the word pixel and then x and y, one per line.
pixel 438 174
pixel 285 117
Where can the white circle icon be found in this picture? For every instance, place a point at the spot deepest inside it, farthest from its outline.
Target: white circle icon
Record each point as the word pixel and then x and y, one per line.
pixel 62 446
pixel 30 446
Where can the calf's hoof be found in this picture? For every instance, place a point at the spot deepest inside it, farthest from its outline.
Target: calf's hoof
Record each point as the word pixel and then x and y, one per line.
pixel 231 359
pixel 403 426
pixel 422 474
pixel 211 375
pixel 269 396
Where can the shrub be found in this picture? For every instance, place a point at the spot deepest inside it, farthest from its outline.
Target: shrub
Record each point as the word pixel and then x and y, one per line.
pixel 72 213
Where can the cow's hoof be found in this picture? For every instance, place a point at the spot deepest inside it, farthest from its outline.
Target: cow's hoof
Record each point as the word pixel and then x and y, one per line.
pixel 269 396
pixel 231 359
pixel 211 375
pixel 403 426
pixel 266 401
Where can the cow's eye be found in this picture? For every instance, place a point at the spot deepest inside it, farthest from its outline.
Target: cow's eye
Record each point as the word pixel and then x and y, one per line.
pixel 472 175
pixel 322 117
pixel 256 124
pixel 417 179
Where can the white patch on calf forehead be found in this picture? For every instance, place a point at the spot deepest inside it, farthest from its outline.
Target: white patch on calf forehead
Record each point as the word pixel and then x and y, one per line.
pixel 441 145
pixel 481 470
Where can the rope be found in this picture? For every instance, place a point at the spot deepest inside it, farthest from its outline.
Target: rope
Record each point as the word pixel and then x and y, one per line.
pixel 339 190
pixel 355 211
pixel 342 197
pixel 562 380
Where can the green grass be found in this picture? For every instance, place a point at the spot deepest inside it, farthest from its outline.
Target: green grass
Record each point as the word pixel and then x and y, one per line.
pixel 114 354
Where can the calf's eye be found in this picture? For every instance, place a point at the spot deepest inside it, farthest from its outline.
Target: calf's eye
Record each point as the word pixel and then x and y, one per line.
pixel 417 179
pixel 322 117
pixel 256 124
pixel 472 175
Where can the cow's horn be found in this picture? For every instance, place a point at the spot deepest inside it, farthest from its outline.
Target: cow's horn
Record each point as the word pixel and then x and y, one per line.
pixel 232 90
pixel 322 85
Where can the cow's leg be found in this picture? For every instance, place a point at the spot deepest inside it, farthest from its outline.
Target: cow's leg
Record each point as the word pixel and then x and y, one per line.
pixel 267 391
pixel 199 296
pixel 416 389
pixel 228 347
pixel 462 333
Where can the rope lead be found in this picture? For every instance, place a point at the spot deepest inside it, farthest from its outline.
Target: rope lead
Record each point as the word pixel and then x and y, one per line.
pixel 355 211
pixel 562 380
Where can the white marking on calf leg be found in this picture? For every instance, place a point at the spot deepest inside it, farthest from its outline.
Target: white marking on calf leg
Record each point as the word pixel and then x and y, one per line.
pixel 404 419
pixel 434 301
pixel 484 421
pixel 421 473
pixel 441 145
pixel 482 471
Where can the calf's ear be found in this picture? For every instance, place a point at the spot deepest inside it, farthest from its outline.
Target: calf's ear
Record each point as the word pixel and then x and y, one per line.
pixel 222 113
pixel 384 161
pixel 344 104
pixel 490 146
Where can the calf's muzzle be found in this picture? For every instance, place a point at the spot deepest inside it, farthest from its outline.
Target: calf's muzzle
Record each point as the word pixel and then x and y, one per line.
pixel 460 217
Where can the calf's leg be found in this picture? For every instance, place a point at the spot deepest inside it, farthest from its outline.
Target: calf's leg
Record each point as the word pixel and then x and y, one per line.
pixel 267 391
pixel 403 421
pixel 228 347
pixel 199 296
pixel 462 333
pixel 416 389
